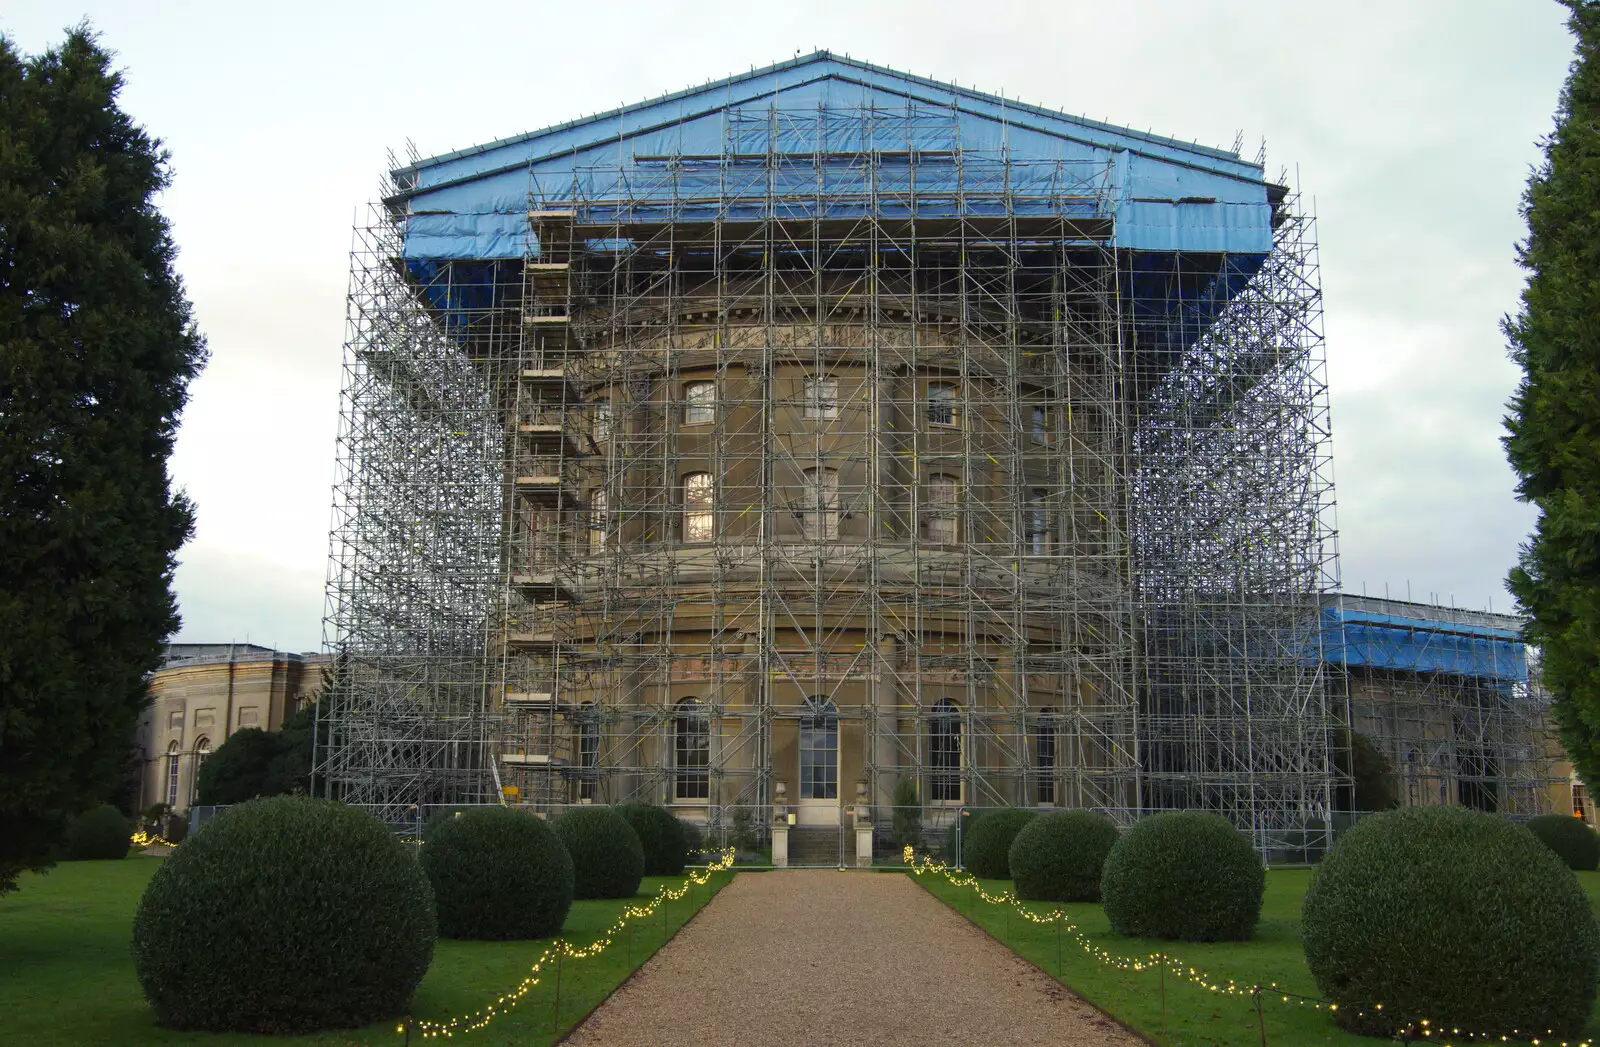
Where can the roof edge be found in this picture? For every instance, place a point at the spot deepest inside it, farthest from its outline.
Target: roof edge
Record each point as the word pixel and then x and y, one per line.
pixel 818 56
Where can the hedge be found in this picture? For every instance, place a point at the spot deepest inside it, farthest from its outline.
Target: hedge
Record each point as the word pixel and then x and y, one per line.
pixel 286 915
pixel 1572 840
pixel 1058 856
pixel 986 850
pixel 498 874
pixel 1185 875
pixel 1454 916
pixel 666 845
pixel 98 833
pixel 607 856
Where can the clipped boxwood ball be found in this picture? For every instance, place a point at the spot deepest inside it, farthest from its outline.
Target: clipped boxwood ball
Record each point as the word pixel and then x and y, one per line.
pixel 1452 915
pixel 100 832
pixel 1187 875
pixel 666 847
pixel 1057 856
pixel 986 851
pixel 498 874
pixel 286 915
pixel 1572 840
pixel 607 857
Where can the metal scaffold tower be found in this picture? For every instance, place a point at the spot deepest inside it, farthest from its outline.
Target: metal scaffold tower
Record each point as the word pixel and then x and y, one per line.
pixel 840 454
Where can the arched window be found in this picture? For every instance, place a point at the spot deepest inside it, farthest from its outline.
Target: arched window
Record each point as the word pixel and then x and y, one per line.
pixel 1039 523
pixel 691 751
pixel 699 403
pixel 944 752
pixel 599 519
pixel 940 514
pixel 172 775
pixel 942 409
pixel 821 516
pixel 1044 757
pixel 588 724
pixel 699 508
pixel 202 749
pixel 819 750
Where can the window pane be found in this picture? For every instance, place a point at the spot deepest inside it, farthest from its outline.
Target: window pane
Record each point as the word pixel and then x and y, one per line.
pixel 700 402
pixel 822 398
pixel 699 503
pixel 819 751
pixel 599 519
pixel 820 517
pixel 692 753
pixel 602 421
pixel 1041 425
pixel 942 403
pixel 944 753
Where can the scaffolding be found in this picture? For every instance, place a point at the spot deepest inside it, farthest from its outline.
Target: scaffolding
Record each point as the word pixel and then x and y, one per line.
pixel 845 443
pixel 1451 697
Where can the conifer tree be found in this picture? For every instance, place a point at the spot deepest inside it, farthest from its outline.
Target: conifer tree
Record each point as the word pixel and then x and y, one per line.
pixel 1554 421
pixel 97 349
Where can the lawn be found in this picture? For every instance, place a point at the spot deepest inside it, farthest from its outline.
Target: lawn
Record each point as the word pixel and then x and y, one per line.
pixel 1195 1017
pixel 67 980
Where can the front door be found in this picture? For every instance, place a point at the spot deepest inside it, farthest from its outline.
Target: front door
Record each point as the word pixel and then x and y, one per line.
pixel 819 764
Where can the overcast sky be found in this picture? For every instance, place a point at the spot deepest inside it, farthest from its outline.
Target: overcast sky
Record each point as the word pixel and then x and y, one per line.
pixel 1410 126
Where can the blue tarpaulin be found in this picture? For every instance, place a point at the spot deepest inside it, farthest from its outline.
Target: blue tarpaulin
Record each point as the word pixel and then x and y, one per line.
pixel 1410 644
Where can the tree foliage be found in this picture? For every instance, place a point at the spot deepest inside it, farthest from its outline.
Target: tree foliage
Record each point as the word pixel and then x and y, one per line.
pixel 1554 421
pixel 97 348
pixel 253 762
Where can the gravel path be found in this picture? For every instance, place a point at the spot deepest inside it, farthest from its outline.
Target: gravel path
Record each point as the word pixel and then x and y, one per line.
pixel 818 956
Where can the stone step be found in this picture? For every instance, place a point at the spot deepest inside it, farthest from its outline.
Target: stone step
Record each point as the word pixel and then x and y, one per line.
pixel 818 845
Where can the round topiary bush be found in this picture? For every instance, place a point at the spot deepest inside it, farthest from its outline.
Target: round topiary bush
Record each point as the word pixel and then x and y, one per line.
pixel 1057 857
pixel 607 857
pixel 285 915
pixel 100 832
pixel 498 874
pixel 1187 875
pixel 986 851
pixel 666 848
pixel 1455 916
pixel 1573 841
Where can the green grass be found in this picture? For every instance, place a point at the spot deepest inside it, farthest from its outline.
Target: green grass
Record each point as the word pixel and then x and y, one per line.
pixel 1195 1017
pixel 67 979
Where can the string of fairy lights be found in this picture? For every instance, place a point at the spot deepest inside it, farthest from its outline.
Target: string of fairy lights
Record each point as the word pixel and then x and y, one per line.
pixel 561 949
pixel 1423 1028
pixel 150 839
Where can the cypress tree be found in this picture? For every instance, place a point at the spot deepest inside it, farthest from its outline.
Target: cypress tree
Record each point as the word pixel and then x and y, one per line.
pixel 1554 421
pixel 97 349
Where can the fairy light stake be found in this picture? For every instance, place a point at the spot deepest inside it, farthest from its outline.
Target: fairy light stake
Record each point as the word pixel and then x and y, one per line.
pixel 1416 1028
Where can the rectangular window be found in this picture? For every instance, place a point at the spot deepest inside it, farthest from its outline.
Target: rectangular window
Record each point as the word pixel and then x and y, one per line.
pixel 1038 524
pixel 942 409
pixel 600 423
pixel 821 516
pixel 1041 425
pixel 599 519
pixel 1044 759
pixel 699 403
pixel 699 508
pixel 822 398
pixel 941 524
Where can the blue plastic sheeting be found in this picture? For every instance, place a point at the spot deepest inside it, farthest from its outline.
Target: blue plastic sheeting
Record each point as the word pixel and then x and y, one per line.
pixel 1386 641
pixel 701 154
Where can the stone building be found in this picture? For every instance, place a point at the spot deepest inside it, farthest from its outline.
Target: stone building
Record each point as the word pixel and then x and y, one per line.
pixel 202 693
